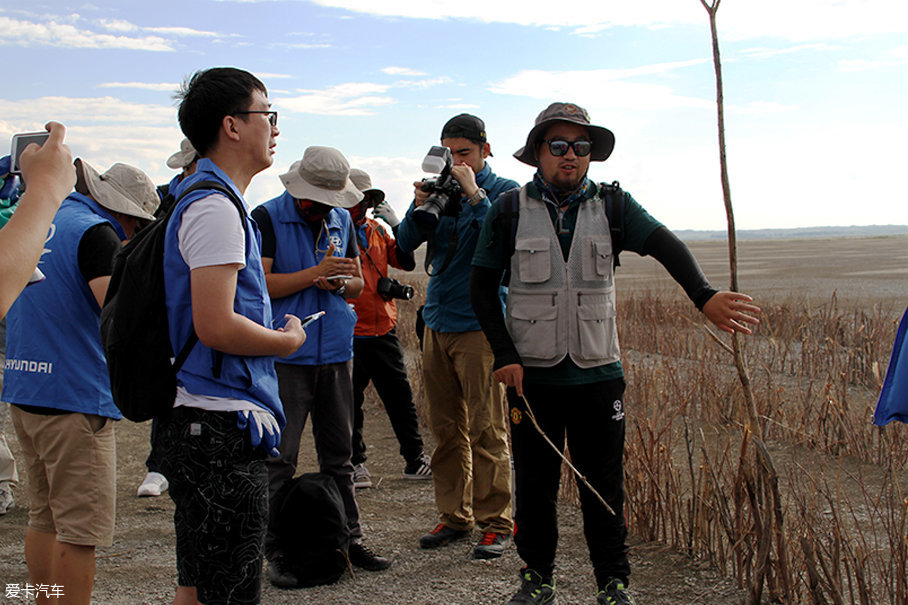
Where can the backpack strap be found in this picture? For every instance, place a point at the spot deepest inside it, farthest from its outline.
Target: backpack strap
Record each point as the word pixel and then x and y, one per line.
pixel 508 213
pixel 241 208
pixel 613 197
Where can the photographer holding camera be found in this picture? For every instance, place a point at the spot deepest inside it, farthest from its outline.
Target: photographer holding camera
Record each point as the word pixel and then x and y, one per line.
pixel 471 465
pixel 377 355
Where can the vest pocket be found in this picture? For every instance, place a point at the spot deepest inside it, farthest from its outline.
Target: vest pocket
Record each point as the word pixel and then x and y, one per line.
pixel 596 325
pixel 532 323
pixel 534 262
pixel 597 259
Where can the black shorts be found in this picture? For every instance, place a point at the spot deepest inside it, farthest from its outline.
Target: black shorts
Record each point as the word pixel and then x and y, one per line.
pixel 219 485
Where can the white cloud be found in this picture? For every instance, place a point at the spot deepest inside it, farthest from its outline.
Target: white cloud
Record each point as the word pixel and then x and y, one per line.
pixel 802 20
pixel 161 86
pixel 896 57
pixel 118 25
pixel 350 99
pixel 759 108
pixel 53 33
pixel 459 106
pixel 182 31
pixel 602 87
pixel 427 83
pixel 101 109
pixel 300 45
pixel 761 53
pixel 402 71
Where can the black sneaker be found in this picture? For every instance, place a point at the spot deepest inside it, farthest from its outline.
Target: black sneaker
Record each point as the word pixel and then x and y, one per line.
pixel 362 557
pixel 419 468
pixel 491 545
pixel 279 576
pixel 442 535
pixel 533 591
pixel 615 593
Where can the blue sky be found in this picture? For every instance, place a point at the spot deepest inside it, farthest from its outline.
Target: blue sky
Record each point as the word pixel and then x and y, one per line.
pixel 816 91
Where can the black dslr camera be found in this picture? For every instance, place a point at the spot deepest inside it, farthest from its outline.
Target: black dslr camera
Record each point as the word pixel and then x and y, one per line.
pixel 389 288
pixel 444 191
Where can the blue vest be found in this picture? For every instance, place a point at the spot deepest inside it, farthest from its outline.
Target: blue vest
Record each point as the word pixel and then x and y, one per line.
pixel 330 339
pixel 54 357
pixel 893 402
pixel 240 377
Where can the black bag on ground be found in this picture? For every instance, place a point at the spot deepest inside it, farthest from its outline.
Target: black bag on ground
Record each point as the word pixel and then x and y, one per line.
pixel 311 527
pixel 134 328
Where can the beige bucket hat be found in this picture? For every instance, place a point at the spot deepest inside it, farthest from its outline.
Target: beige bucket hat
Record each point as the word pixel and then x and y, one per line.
pixel 323 175
pixel 602 138
pixel 184 157
pixel 363 182
pixel 123 188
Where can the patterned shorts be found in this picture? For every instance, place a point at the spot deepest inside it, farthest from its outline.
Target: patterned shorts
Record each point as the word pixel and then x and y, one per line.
pixel 219 485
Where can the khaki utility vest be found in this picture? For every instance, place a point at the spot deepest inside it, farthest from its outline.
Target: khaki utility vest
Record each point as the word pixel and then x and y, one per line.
pixel 557 308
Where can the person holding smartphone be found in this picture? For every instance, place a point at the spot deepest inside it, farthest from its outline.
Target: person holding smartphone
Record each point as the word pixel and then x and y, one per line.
pixel 50 172
pixel 311 262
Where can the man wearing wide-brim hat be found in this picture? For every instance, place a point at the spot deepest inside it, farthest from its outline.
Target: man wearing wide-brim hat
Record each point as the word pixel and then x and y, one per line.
pixel 56 376
pixel 557 343
pixel 311 262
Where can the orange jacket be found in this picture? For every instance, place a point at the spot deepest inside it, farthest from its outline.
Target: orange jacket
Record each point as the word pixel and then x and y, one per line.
pixel 376 316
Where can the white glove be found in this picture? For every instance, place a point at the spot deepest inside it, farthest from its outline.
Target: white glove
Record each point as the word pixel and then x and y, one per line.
pixel 263 429
pixel 385 212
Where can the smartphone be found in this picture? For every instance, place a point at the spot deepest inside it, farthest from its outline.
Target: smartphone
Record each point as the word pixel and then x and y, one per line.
pixel 339 277
pixel 310 318
pixel 21 141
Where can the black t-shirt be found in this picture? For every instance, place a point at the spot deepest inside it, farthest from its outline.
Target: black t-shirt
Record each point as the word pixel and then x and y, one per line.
pixel 97 248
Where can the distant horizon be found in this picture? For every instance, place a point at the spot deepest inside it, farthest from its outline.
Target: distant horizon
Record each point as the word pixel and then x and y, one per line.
pixel 798 232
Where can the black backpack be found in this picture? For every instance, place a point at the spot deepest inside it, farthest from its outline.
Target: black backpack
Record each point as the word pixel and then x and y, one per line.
pixel 612 196
pixel 311 527
pixel 134 327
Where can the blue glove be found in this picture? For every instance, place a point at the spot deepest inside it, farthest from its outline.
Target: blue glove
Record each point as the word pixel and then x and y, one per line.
pixel 263 429
pixel 9 183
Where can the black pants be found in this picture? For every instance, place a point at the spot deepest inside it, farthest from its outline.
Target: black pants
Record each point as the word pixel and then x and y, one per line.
pixel 381 360
pixel 592 418
pixel 325 393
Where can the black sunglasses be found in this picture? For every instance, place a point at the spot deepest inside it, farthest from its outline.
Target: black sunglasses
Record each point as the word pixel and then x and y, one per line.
pixel 272 115
pixel 559 147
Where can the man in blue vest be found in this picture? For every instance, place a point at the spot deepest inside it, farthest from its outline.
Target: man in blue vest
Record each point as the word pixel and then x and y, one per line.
pixel 557 343
pixel 471 466
pixel 57 383
pixel 49 169
pixel 311 262
pixel 227 415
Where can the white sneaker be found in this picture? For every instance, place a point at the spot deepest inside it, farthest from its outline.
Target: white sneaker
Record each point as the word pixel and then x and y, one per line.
pixel 154 484
pixel 361 476
pixel 6 497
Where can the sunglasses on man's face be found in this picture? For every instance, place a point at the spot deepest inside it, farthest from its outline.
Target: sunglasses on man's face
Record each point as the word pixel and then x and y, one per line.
pixel 559 147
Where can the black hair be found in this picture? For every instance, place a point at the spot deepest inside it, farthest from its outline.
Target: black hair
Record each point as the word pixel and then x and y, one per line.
pixel 209 95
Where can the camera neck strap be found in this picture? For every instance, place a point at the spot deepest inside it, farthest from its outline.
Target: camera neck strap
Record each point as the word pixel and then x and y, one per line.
pixel 430 251
pixel 364 248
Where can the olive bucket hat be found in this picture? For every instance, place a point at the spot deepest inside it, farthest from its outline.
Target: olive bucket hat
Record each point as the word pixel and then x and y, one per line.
pixel 602 138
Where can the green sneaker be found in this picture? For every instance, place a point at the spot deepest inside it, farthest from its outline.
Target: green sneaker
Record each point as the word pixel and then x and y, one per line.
pixel 615 593
pixel 533 591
